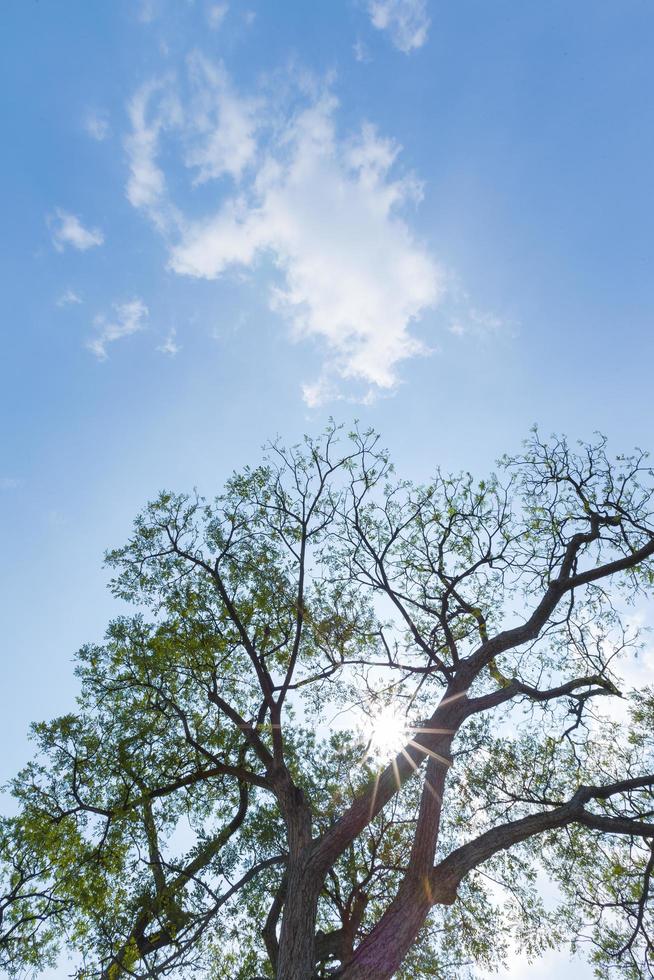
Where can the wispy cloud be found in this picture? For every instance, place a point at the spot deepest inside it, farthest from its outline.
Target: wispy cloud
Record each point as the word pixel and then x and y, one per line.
pixel 216 13
pixel 170 345
pixel 327 207
pixel 361 53
pixel 67 229
pixel 406 21
pixel 153 109
pixel 467 320
pixel 220 124
pixel 127 318
pixel 148 10
pixel 97 126
pixel 9 483
pixel 69 298
pixel 353 274
pixel 215 129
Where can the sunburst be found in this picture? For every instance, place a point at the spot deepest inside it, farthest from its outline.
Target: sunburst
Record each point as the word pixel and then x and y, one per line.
pixel 385 731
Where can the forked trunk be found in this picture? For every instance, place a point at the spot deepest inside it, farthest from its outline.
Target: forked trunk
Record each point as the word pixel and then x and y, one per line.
pixel 296 959
pixel 381 953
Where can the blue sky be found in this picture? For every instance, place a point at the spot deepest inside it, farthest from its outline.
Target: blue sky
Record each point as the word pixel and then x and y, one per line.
pixel 226 221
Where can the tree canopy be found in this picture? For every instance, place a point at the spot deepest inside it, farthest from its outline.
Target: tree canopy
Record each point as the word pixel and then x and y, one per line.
pixel 352 727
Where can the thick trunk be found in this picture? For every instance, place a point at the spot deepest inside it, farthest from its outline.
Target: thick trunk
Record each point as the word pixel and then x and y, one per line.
pixel 296 957
pixel 383 950
pixel 381 953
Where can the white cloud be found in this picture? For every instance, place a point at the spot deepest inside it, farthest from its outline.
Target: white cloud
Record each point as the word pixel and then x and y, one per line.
pixel 216 14
pixel 468 321
pixel 361 53
pixel 67 229
pixel 215 127
pixel 170 346
pixel 97 126
pixel 148 11
pixel 128 318
pixel 146 185
pixel 319 392
pixel 327 209
pixel 69 298
pixel 352 273
pixel 406 21
pixel 220 125
pixel 486 322
pixel 9 483
pixel 552 963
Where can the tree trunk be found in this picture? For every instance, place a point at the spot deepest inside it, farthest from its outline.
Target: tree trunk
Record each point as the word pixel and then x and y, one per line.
pixel 383 950
pixel 296 959
pixel 381 953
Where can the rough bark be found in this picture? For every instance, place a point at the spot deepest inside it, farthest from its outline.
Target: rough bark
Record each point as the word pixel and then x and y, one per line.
pixel 296 956
pixel 383 950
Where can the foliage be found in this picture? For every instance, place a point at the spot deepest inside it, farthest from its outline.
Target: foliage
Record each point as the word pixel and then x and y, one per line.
pixel 215 803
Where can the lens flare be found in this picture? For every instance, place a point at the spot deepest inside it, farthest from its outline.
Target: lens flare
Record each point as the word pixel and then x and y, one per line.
pixel 385 731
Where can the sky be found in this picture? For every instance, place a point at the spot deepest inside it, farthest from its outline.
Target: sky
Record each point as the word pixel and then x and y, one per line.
pixel 229 221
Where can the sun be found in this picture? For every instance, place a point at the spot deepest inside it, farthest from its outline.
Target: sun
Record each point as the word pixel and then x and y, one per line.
pixel 385 730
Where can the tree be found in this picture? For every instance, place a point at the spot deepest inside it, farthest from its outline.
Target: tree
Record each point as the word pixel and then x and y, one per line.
pixel 217 803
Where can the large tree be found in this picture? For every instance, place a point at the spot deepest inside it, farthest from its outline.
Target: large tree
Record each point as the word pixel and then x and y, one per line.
pixel 354 726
